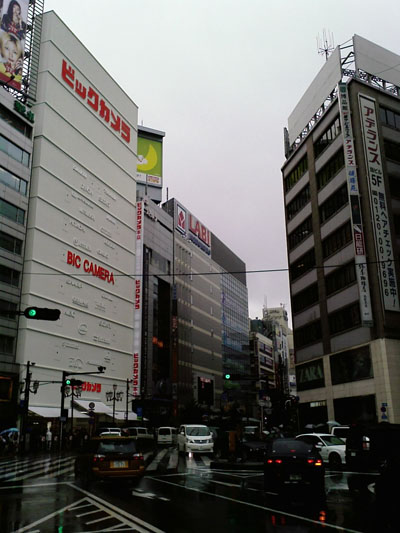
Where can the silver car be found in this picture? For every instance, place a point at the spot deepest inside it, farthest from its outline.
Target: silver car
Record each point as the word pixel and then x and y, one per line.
pixel 331 448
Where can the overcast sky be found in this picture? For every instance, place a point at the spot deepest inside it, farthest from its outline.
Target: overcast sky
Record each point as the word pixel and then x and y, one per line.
pixel 221 77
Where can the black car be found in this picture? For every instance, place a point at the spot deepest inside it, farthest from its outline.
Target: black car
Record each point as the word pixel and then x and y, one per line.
pixel 294 464
pixel 252 449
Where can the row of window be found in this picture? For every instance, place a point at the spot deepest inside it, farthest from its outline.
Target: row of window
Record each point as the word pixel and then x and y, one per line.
pixel 10 243
pixel 390 118
pixel 303 264
pixel 300 233
pixel 14 151
pixel 7 344
pixel 327 137
pixel 305 298
pixel 293 177
pixel 8 309
pixel 298 202
pixel 12 212
pixel 9 276
pixel 394 186
pixel 12 181
pixel 339 321
pixel 337 240
pixel 15 122
pixel 330 169
pixel 392 150
pixel 334 203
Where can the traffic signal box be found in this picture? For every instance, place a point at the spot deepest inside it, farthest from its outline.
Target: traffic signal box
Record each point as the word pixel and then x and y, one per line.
pixel 73 382
pixel 42 313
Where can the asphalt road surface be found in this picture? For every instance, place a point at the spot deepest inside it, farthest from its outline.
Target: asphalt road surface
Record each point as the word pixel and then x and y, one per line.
pixel 178 495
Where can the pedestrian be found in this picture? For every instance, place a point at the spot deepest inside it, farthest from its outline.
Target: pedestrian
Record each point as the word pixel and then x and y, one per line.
pixel 49 438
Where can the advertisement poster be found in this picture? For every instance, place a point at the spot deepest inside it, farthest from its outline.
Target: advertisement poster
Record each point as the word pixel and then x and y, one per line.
pixel 149 165
pixel 13 16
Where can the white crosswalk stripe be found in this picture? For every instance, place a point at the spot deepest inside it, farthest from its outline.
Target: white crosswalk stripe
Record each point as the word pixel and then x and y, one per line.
pixel 156 461
pixel 27 469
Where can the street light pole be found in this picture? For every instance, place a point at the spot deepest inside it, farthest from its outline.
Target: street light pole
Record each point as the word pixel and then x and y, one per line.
pixel 114 397
pixel 127 397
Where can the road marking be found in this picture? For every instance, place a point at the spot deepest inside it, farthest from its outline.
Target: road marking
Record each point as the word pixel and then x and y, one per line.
pixel 121 512
pixel 249 504
pixel 156 461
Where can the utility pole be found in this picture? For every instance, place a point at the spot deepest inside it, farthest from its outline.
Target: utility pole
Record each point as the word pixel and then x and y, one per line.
pixel 127 398
pixel 26 403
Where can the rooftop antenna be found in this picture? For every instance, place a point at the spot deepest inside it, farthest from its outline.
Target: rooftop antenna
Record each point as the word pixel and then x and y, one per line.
pixel 327 45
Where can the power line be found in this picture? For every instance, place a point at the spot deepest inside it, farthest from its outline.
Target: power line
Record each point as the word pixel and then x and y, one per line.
pixel 225 272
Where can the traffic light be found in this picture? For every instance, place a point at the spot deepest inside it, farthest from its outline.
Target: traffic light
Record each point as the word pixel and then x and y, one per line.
pixel 227 376
pixel 234 377
pixel 69 382
pixel 42 313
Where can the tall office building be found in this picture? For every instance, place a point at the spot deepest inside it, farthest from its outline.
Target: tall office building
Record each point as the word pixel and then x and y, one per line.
pixel 341 181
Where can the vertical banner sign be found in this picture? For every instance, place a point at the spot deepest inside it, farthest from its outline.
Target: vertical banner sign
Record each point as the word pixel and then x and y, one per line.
pixel 13 16
pixel 137 316
pixel 354 200
pixel 377 193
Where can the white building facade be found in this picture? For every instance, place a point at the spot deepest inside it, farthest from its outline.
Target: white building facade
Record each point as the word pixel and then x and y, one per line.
pixel 81 233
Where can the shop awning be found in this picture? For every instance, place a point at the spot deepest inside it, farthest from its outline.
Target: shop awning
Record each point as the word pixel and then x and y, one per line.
pixel 53 412
pixel 99 407
pixel 120 415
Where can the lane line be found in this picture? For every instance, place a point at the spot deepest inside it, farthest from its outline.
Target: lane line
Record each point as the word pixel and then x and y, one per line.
pixel 261 507
pixel 156 461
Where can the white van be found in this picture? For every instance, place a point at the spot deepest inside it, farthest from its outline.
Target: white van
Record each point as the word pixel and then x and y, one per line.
pixel 195 438
pixel 166 435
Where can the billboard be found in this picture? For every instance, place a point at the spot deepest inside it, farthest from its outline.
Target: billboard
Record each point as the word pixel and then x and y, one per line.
pixel 13 16
pixel 149 165
pixel 354 198
pixel 378 203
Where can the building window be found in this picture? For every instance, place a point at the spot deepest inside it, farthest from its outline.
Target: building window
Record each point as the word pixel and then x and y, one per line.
pixel 11 244
pixel 330 169
pixel 8 309
pixel 6 344
pixel 293 177
pixel 305 263
pixel 327 137
pixel 390 118
pixel 396 221
pixel 334 203
pixel 12 181
pixel 309 334
pixel 351 365
pixel 340 278
pixel 9 276
pixel 392 150
pixel 298 202
pixel 15 122
pixel 337 240
pixel 394 185
pixel 345 318
pixel 14 151
pixel 300 233
pixel 305 298
pixel 12 212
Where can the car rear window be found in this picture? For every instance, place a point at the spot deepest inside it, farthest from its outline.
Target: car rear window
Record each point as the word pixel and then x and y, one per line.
pixel 164 431
pixel 116 446
pixel 284 446
pixel 142 431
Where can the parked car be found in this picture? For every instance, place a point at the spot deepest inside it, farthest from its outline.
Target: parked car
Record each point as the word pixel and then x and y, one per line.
pixel 340 431
pixel 293 464
pixel 166 435
pixel 109 431
pixel 109 458
pixel 251 447
pixel 331 448
pixel 195 438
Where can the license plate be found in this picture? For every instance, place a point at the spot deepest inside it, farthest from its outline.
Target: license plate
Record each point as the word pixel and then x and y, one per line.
pixel 295 477
pixel 353 454
pixel 119 464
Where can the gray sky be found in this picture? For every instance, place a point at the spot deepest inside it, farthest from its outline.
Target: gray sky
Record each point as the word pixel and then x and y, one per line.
pixel 221 77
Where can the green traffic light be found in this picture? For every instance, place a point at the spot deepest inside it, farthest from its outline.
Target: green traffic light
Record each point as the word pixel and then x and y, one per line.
pixel 32 312
pixel 227 376
pixel 68 382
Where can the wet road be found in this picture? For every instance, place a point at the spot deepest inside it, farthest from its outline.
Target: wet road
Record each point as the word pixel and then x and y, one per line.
pixel 177 494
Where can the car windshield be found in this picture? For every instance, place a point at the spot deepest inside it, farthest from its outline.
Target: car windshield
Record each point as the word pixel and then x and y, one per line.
pixel 197 431
pixel 142 431
pixel 332 440
pixel 116 446
pixel 290 446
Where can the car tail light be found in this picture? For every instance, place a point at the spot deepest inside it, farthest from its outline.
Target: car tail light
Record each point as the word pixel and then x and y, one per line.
pixel 318 462
pixel 270 461
pixel 138 456
pixel 278 461
pixel 98 458
pixel 366 444
pixel 310 461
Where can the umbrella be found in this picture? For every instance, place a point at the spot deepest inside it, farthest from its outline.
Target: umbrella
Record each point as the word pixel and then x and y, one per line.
pixel 9 430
